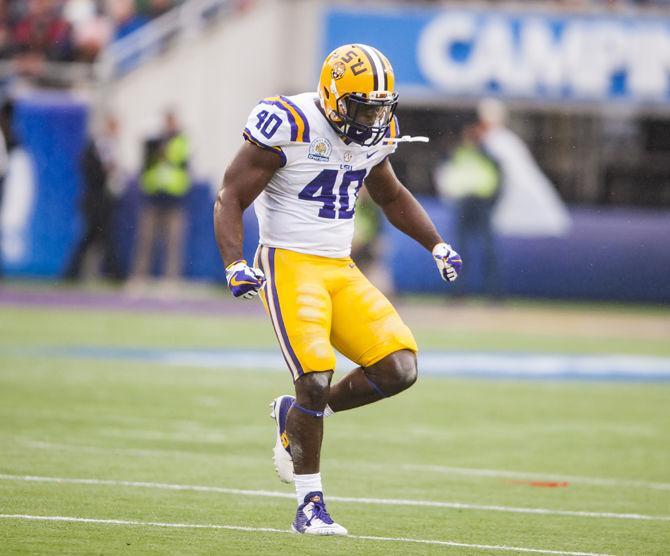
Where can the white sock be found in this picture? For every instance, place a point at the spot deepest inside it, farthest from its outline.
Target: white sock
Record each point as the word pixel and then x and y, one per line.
pixel 304 484
pixel 327 412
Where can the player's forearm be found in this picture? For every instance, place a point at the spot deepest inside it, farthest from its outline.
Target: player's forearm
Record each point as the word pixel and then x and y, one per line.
pixel 406 214
pixel 228 228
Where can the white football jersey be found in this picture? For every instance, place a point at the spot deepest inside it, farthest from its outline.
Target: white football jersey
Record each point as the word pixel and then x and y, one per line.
pixel 309 204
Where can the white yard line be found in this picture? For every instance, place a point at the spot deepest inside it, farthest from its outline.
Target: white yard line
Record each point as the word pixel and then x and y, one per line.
pixel 346 499
pixel 523 475
pixel 285 531
pixel 444 469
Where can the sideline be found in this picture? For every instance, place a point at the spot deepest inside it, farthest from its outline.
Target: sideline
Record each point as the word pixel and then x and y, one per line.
pixel 431 362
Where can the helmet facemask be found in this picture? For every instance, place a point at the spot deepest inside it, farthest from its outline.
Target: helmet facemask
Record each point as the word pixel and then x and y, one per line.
pixel 365 119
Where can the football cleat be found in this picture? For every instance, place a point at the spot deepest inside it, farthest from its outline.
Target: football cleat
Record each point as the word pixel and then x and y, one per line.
pixel 281 453
pixel 312 518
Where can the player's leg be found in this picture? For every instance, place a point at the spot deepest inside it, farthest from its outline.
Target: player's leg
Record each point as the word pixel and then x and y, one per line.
pixel 364 385
pixel 111 262
pixel 73 270
pixel 299 307
pixel 368 330
pixel 491 255
pixel 174 248
pixel 304 423
pixel 144 242
pixel 304 427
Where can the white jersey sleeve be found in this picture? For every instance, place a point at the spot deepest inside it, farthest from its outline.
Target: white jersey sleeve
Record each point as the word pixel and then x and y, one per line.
pixel 273 124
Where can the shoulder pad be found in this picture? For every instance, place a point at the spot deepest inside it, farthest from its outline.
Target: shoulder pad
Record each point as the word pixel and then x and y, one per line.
pixel 276 121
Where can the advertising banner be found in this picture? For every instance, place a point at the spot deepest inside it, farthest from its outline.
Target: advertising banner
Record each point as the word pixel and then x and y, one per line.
pixel 547 57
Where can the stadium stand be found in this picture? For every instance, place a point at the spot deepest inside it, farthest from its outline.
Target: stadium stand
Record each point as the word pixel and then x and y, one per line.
pixel 71 30
pixel 608 157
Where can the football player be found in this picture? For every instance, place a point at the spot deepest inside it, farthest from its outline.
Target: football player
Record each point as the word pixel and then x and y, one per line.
pixel 303 163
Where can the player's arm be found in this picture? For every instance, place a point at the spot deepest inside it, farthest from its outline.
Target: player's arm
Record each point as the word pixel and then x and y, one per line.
pixel 400 206
pixel 245 178
pixel 406 214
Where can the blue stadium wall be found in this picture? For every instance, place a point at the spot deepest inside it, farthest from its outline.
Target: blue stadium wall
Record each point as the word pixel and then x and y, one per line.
pixel 609 254
pixel 613 254
pixel 52 129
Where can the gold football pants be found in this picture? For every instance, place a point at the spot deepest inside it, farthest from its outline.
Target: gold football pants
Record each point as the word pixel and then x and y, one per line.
pixel 319 303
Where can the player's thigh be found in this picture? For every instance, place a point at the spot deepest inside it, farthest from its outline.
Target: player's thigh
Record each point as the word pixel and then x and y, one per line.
pixel 299 307
pixel 365 326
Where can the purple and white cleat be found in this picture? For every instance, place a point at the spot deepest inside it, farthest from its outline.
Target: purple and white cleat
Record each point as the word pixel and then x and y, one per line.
pixel 312 518
pixel 281 453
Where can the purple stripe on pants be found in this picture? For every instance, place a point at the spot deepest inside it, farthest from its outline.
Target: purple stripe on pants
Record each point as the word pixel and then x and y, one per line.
pixel 280 320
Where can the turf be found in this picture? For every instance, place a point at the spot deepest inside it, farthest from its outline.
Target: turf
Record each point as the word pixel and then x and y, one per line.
pixel 128 421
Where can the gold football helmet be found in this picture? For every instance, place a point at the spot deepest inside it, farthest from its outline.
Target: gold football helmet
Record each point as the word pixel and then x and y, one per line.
pixel 356 93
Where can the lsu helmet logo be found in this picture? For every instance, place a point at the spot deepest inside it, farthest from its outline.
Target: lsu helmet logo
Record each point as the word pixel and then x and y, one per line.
pixel 338 70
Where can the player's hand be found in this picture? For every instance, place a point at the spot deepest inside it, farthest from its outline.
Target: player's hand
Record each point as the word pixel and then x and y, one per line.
pixel 244 281
pixel 448 262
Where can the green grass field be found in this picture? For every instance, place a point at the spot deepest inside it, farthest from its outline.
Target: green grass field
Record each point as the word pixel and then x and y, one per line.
pixel 107 441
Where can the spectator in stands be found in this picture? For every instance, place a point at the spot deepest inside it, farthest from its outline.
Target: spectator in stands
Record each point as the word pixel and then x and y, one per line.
pixel 91 28
pixel 101 175
pixel 159 7
pixel 529 204
pixel 164 183
pixel 77 30
pixel 470 179
pixel 125 17
pixel 130 16
pixel 43 32
pixel 6 43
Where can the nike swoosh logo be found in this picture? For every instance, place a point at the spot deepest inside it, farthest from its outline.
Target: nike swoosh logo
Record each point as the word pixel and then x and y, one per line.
pixel 368 155
pixel 235 282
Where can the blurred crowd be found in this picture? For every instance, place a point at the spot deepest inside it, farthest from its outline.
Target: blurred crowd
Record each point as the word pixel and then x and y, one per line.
pixel 77 30
pixel 70 30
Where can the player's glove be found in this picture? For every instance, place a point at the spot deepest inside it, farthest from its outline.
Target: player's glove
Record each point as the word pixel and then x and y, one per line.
pixel 448 262
pixel 244 281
